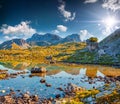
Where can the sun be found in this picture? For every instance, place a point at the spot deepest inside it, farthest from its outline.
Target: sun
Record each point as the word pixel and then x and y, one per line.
pixel 109 21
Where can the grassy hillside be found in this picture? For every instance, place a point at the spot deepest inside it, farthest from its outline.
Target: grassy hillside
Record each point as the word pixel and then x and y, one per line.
pixel 67 52
pixel 58 52
pixel 87 57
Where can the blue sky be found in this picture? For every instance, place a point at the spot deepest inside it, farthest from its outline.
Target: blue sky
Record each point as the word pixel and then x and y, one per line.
pixel 23 18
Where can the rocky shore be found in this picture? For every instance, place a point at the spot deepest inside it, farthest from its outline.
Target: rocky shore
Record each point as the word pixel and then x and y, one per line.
pixel 70 92
pixel 5 75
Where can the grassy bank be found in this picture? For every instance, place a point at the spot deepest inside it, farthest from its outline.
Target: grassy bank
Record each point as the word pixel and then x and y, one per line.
pixel 67 52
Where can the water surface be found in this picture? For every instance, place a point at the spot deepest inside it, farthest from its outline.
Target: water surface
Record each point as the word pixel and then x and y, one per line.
pixel 57 76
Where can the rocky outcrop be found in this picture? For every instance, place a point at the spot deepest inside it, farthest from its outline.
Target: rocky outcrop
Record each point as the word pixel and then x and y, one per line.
pixel 38 70
pixel 91 44
pixel 23 99
pixel 101 52
pixel 73 88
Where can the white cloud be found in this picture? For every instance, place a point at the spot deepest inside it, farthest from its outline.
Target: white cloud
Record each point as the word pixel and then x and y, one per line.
pixel 99 24
pixel 104 33
pixel 41 33
pixel 66 14
pixel 6 37
pixel 90 1
pixel 61 28
pixel 84 34
pixel 111 5
pixel 55 31
pixel 117 27
pixel 9 37
pixel 107 31
pixel 22 30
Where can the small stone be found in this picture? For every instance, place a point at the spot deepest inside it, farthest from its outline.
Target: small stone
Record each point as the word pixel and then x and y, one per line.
pixel 26 96
pixel 60 88
pixel 57 96
pixel 35 98
pixel 48 85
pixel 42 80
pixel 11 90
pixel 27 92
pixel 51 99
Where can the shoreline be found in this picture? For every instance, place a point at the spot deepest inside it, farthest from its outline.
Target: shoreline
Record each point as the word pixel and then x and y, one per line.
pixel 70 93
pixel 78 63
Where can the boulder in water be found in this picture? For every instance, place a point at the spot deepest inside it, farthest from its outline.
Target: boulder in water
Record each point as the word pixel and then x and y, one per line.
pixel 38 70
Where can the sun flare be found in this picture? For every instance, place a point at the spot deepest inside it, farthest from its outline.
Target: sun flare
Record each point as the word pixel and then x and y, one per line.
pixel 109 21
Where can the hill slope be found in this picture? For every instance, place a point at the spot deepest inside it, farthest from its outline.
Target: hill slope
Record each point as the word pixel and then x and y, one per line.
pixel 21 43
pixel 111 44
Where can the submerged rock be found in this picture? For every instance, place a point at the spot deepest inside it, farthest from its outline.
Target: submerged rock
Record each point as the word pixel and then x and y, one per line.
pixel 42 81
pixel 60 89
pixel 48 85
pixel 58 96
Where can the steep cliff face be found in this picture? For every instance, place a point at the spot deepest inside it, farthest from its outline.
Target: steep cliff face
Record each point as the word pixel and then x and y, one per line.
pixel 111 44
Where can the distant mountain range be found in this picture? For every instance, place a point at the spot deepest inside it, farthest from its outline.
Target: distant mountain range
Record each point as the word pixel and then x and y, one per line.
pixel 71 38
pixel 18 43
pixel 110 44
pixel 43 40
pixel 40 40
pixel 51 39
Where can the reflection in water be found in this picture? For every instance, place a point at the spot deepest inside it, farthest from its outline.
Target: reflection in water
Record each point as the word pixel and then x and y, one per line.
pixel 111 72
pixel 37 74
pixel 73 69
pixel 83 71
pixel 91 72
pixel 16 65
pixel 58 76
